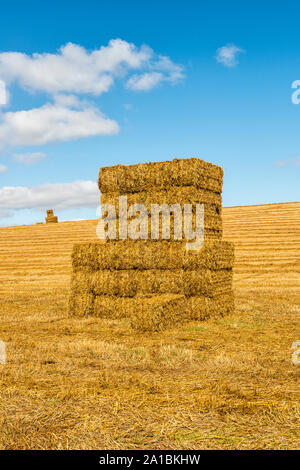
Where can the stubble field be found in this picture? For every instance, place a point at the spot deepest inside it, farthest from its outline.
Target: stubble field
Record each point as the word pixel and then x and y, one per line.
pixel 226 383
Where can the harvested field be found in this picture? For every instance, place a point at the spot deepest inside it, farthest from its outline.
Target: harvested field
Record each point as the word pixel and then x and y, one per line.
pixel 90 383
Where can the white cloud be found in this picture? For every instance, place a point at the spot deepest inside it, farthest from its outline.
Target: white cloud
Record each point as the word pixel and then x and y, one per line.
pixel 73 69
pixel 3 99
pixel 227 55
pixel 145 82
pixel 29 158
pixel 164 70
pixel 288 162
pixel 58 196
pixel 69 101
pixel 173 72
pixel 3 169
pixel 51 123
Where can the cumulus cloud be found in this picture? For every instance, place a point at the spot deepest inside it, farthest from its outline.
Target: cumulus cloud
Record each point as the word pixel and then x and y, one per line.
pixel 70 101
pixel 3 169
pixel 145 82
pixel 60 196
pixel 227 55
pixel 53 122
pixel 73 69
pixel 164 70
pixel 29 158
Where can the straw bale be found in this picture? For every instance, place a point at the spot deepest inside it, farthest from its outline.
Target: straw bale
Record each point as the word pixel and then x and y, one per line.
pixel 215 254
pixel 209 234
pixel 206 282
pixel 51 220
pixel 174 195
pixel 128 283
pixel 139 308
pixel 116 283
pixel 85 256
pixel 81 304
pixel 203 307
pixel 159 281
pixel 178 172
pixel 106 306
pixel 141 228
pixel 144 254
pixel 81 282
pixel 160 312
pixel 156 313
pixel 151 312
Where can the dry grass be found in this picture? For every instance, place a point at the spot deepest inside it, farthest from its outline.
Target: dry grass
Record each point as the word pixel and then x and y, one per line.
pixel 87 383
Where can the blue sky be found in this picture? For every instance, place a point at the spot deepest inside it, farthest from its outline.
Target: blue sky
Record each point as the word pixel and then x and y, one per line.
pixel 179 95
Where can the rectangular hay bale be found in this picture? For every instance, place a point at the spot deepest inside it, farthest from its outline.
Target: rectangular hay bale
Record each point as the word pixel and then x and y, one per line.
pixel 157 313
pixel 141 228
pixel 152 312
pixel 112 307
pixel 178 172
pixel 174 195
pixel 128 283
pixel 202 307
pixel 81 304
pixel 51 220
pixel 144 254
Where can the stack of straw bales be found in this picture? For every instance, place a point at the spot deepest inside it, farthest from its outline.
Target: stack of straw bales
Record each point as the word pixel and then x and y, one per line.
pixel 51 218
pixel 157 283
pixel 181 181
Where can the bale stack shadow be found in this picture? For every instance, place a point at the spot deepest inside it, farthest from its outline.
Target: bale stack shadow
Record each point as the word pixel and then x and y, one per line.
pixel 157 283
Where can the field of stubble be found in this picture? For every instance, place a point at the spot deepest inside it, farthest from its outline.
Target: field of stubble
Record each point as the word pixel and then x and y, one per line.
pixel 226 383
